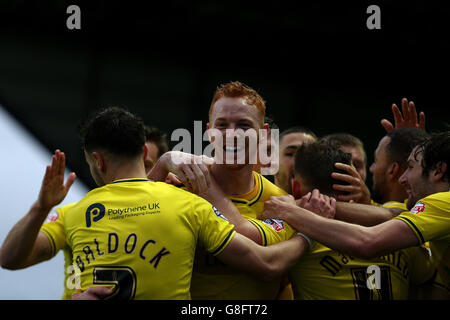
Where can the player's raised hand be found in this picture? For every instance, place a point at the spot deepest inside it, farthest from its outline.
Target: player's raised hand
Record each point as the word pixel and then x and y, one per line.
pixel 406 120
pixel 356 188
pixel 53 189
pixel 318 203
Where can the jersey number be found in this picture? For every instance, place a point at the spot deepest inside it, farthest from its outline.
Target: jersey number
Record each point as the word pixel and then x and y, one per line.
pixel 123 278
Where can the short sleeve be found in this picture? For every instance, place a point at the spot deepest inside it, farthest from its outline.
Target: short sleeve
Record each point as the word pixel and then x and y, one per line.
pixel 273 230
pixel 215 230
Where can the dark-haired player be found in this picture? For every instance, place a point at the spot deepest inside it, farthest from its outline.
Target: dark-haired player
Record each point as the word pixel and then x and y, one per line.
pixel 427 184
pixel 52 230
pixel 139 236
pixel 156 142
pixel 290 140
pixel 390 162
pixel 323 273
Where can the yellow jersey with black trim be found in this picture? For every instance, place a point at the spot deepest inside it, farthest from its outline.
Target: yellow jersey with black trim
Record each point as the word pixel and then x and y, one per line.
pixel 390 204
pixel 140 237
pixel 395 204
pixel 325 274
pixel 213 279
pixel 53 228
pixel 430 221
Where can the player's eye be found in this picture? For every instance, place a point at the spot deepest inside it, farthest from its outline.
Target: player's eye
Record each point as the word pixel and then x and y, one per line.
pixel 289 154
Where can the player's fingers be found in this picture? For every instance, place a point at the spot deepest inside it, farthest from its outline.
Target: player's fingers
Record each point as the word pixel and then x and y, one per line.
pixel 190 178
pixel 70 180
pixel 397 114
pixel 200 178
pixel 207 160
pixel 387 125
pixel 54 164
pixel 93 293
pixel 332 202
pixel 412 112
pixel 345 177
pixel 303 200
pixel 348 168
pixel 315 197
pixel 183 179
pixel 422 121
pixel 325 199
pixel 47 174
pixel 173 179
pixel 346 188
pixel 61 166
pixel 206 174
pixel 405 109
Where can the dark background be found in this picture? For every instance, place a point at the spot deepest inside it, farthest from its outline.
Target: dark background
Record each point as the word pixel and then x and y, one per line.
pixel 316 64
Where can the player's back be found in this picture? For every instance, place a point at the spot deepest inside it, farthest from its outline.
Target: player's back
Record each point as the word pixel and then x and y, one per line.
pixel 325 274
pixel 142 235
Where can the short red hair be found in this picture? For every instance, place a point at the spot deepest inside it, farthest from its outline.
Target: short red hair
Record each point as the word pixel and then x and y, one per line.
pixel 236 89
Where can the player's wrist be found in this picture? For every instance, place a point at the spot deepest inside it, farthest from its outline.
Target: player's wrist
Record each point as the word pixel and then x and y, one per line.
pixel 40 209
pixel 308 239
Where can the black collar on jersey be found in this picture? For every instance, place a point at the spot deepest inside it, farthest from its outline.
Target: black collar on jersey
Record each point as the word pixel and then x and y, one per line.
pixel 130 180
pixel 253 200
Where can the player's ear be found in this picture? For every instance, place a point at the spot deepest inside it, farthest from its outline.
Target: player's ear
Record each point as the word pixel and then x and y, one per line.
pixel 441 168
pixel 394 171
pixel 147 161
pixel 145 151
pixel 99 161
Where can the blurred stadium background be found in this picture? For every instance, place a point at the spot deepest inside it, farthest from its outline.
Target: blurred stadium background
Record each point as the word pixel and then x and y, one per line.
pixel 316 64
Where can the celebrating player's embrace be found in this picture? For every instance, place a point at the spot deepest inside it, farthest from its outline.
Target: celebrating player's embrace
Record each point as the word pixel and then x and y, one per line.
pixel 171 225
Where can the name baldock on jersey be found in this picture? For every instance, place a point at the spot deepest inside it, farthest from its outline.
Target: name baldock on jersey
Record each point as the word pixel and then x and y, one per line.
pixel 140 236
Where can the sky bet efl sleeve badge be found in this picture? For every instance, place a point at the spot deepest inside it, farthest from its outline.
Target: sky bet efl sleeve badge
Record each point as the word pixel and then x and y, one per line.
pixel 52 217
pixel 218 213
pixel 276 224
pixel 419 207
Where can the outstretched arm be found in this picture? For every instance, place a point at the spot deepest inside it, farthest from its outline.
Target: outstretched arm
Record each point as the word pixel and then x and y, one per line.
pixel 266 263
pixel 364 215
pixel 364 242
pixel 25 245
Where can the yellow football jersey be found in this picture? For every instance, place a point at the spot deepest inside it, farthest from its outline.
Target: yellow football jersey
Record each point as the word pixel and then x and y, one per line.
pixel 430 221
pixel 53 228
pixel 325 274
pixel 212 279
pixel 390 204
pixel 140 237
pixel 395 204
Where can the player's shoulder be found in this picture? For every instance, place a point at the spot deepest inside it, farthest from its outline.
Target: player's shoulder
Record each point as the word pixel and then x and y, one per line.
pixel 269 188
pixel 436 202
pixel 66 207
pixel 441 197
